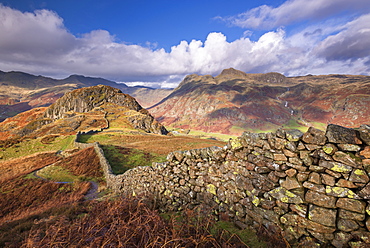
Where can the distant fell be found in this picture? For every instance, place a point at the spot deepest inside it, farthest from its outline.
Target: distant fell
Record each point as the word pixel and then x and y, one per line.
pixel 21 91
pixel 234 101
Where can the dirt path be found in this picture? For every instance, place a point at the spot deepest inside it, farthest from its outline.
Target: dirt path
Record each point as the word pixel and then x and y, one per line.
pixel 90 195
pixel 93 191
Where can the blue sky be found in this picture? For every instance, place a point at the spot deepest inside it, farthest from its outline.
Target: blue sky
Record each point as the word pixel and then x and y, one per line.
pixel 157 43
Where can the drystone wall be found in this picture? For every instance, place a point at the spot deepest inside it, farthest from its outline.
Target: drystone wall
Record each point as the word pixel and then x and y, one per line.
pixel 313 187
pixel 113 181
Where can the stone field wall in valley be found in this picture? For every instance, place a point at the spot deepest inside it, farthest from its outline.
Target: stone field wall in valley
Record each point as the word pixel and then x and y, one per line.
pixel 313 187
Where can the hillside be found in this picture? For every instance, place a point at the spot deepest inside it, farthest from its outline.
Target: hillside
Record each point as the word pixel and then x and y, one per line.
pixel 47 178
pixel 21 91
pixel 85 109
pixel 234 101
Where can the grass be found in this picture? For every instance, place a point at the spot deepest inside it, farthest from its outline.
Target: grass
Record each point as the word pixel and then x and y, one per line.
pixel 247 235
pixel 129 222
pixel 90 138
pixel 319 125
pixel 121 159
pixel 204 135
pixel 294 124
pixel 127 150
pixel 14 233
pixel 57 174
pixel 31 146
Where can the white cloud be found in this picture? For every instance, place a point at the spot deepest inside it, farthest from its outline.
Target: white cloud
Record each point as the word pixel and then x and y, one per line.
pixel 351 43
pixel 291 11
pixel 39 43
pixel 26 34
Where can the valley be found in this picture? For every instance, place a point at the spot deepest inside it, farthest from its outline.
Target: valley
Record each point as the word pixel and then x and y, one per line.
pixel 52 173
pixel 46 178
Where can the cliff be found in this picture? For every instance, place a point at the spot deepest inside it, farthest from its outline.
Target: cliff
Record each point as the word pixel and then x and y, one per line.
pixel 85 99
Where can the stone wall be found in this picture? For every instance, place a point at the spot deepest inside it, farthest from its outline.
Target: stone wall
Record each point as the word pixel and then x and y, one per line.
pixel 314 187
pixel 113 181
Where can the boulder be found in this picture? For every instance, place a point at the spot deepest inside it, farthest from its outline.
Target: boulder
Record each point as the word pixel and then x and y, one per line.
pixel 342 135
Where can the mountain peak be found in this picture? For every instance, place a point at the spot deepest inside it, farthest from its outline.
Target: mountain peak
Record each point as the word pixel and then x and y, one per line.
pixel 232 73
pixel 272 78
pixel 85 99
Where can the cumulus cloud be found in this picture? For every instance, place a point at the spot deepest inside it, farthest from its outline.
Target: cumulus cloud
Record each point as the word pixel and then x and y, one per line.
pixel 39 43
pixel 267 17
pixel 351 43
pixel 41 32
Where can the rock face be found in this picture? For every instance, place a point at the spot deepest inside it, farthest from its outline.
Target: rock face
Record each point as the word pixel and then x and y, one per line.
pixel 234 101
pixel 85 99
pixel 312 187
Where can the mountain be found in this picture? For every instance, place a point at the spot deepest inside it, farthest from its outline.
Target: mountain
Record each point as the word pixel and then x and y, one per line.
pixel 21 91
pixel 85 109
pixel 234 101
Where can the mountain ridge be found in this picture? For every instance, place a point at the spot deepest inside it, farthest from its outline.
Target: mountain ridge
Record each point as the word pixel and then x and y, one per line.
pixel 21 91
pixel 234 101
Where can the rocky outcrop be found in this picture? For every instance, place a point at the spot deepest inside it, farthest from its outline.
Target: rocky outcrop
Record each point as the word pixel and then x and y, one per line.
pixel 85 99
pixel 312 187
pixel 80 110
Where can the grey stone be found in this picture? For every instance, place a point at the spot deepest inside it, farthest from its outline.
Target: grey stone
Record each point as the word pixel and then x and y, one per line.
pixel 314 136
pixel 327 179
pixel 365 192
pixel 341 239
pixel 300 209
pixel 342 135
pixel 322 215
pixel 293 134
pixel 336 166
pixel 349 147
pixel 330 149
pixel 365 134
pixel 341 192
pixel 291 183
pixel 315 187
pixel 285 196
pixel 359 176
pixel 349 215
pixel 319 199
pixel 351 205
pixel 346 158
pixel 291 219
pixel 347 225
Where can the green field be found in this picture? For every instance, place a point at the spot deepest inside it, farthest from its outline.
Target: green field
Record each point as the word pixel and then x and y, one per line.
pixel 32 146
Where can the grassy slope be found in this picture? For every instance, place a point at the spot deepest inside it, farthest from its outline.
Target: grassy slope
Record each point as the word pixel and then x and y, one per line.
pixel 32 146
pixel 38 204
pixel 125 150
